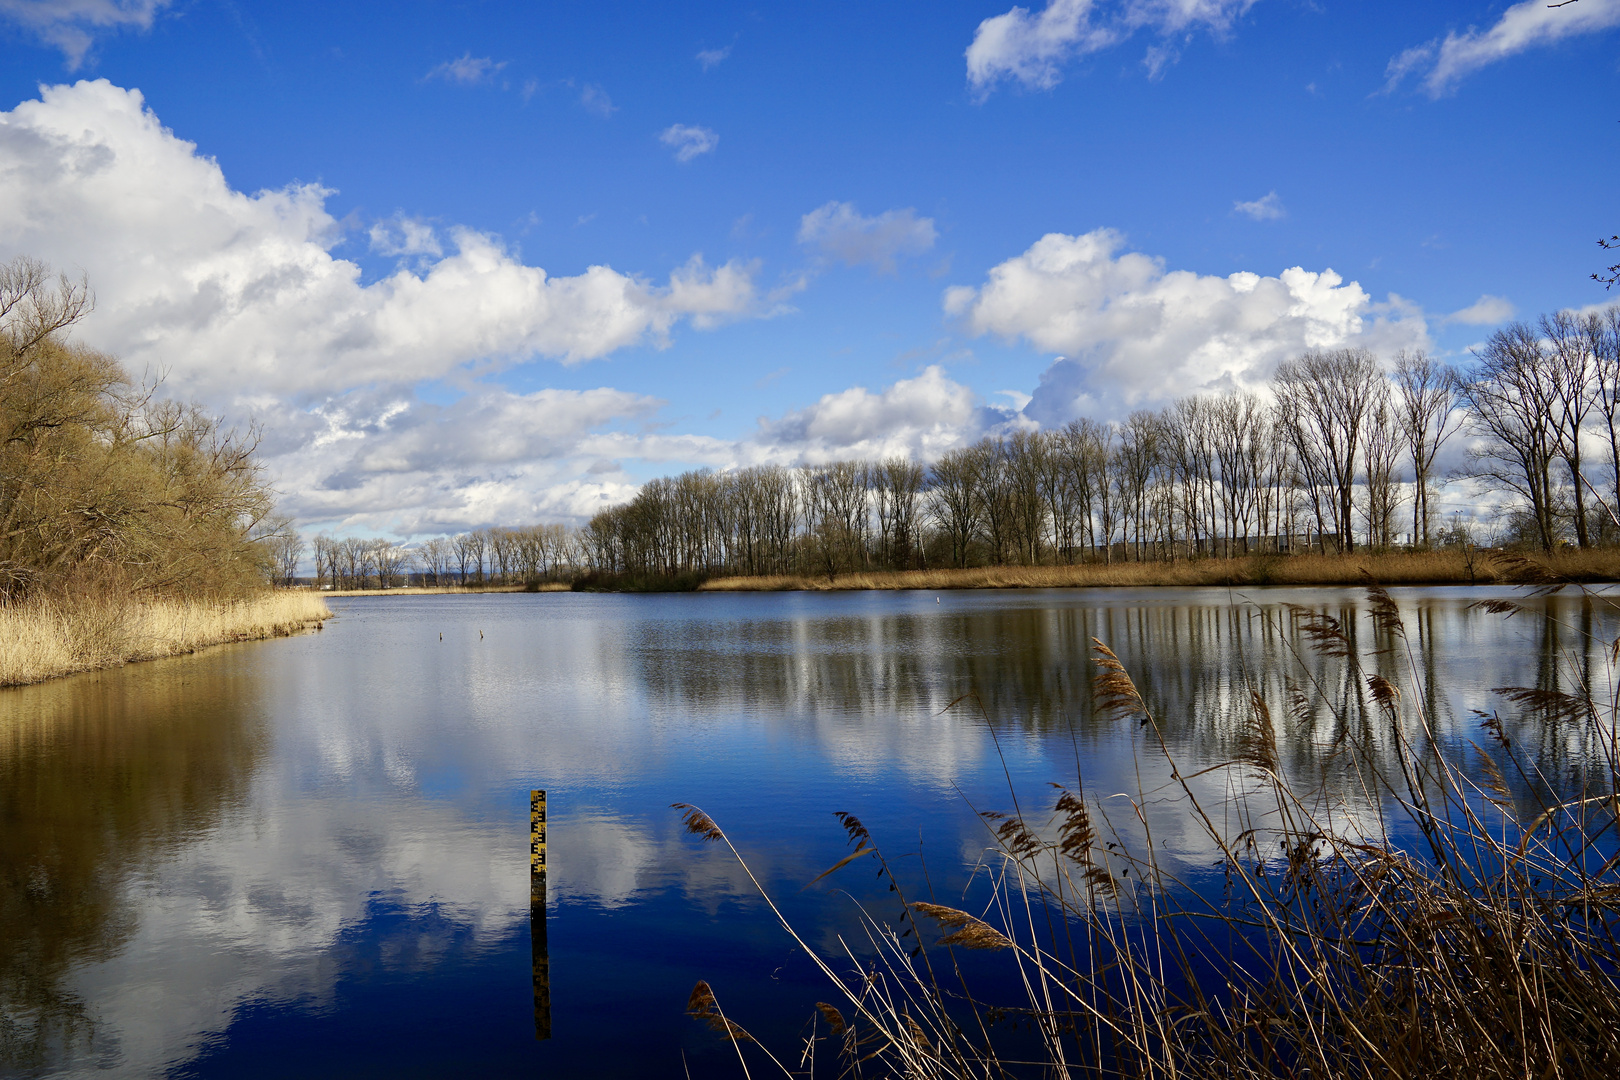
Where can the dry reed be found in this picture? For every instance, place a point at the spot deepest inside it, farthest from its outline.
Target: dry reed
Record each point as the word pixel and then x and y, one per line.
pixel 1446 567
pixel 435 590
pixel 44 639
pixel 1473 932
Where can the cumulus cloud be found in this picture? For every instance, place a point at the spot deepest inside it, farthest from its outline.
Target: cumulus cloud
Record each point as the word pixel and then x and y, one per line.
pixel 920 417
pixel 1266 208
pixel 467 69
pixel 688 141
pixel 1031 48
pixel 228 290
pixel 711 57
pixel 71 25
pixel 384 460
pixel 841 232
pixel 1486 311
pixel 1145 333
pixel 402 236
pixel 1527 25
pixel 240 300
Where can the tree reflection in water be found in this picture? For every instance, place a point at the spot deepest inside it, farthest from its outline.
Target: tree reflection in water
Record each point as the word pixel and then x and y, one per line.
pixel 99 774
pixel 1199 653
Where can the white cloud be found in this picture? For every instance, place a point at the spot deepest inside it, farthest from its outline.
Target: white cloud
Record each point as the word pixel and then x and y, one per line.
pixel 229 291
pixel 921 417
pixel 1486 311
pixel 1032 48
pixel 595 100
pixel 711 297
pixel 843 233
pixel 688 141
pixel 1141 333
pixel 711 57
pixel 1266 208
pixel 70 25
pixel 240 300
pixel 467 69
pixel 402 236
pixel 1526 25
pixel 386 461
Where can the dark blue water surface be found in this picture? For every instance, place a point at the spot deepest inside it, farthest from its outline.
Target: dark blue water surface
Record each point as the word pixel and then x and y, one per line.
pixel 309 857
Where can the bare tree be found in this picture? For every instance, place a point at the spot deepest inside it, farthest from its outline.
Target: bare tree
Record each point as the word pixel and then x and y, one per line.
pixel 1024 463
pixel 1426 393
pixel 1381 452
pixel 953 500
pixel 389 558
pixel 900 486
pixel 1085 449
pixel 1509 399
pixel 325 551
pixel 1138 456
pixel 286 549
pixel 1603 332
pixel 1238 435
pixel 1326 396
pixel 33 311
pixel 1060 490
pixel 1573 392
pixel 433 559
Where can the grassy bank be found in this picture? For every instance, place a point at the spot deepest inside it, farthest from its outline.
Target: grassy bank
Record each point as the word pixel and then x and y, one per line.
pixel 47 638
pixel 1450 567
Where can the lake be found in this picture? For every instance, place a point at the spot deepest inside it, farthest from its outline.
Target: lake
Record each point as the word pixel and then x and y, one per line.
pixel 310 856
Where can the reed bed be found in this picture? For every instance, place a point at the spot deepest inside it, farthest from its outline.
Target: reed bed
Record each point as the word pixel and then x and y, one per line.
pixel 1470 928
pixel 44 639
pixel 1445 567
pixel 436 590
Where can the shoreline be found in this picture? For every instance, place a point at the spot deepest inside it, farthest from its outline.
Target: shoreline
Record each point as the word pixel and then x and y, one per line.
pixel 1392 568
pixel 1449 567
pixel 439 590
pixel 49 639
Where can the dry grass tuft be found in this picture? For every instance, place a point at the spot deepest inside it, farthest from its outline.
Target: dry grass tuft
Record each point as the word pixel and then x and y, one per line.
pixel 1447 567
pixel 697 822
pixel 967 931
pixel 45 639
pixel 701 1005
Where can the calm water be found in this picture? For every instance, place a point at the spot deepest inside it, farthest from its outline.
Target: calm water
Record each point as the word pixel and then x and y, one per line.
pixel 310 857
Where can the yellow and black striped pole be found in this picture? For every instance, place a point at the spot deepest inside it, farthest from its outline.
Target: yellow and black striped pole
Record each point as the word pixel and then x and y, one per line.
pixel 537 914
pixel 537 839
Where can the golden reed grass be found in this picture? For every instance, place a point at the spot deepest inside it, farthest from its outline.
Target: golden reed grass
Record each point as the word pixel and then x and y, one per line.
pixel 1450 567
pixel 436 590
pixel 45 639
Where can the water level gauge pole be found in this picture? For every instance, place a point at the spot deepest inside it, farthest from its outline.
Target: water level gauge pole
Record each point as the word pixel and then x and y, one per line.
pixel 537 914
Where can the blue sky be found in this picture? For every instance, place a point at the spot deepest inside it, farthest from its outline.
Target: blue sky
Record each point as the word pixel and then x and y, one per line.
pixel 816 230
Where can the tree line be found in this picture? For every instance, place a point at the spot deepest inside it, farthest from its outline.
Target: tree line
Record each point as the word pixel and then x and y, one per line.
pixel 528 555
pixel 103 486
pixel 1340 453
